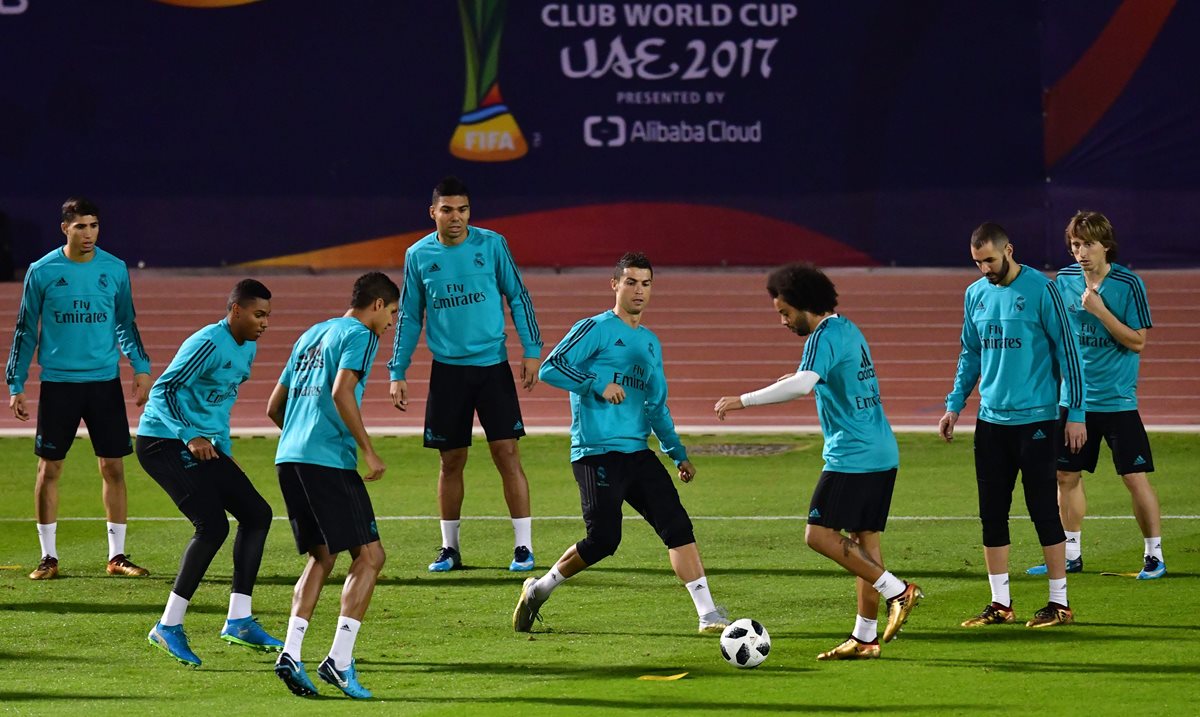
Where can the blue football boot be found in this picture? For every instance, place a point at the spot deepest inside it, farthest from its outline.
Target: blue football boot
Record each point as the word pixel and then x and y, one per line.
pixel 173 640
pixel 447 559
pixel 1073 566
pixel 345 680
pixel 522 561
pixel 294 676
pixel 248 633
pixel 1154 568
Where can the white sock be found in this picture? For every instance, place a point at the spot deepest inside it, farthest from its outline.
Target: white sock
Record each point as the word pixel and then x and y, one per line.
pixel 449 535
pixel 116 540
pixel 175 610
pixel 889 586
pixel 546 584
pixel 523 533
pixel 1074 545
pixel 297 626
pixel 1154 548
pixel 239 606
pixel 865 630
pixel 342 651
pixel 1058 591
pixel 1000 594
pixel 46 535
pixel 698 589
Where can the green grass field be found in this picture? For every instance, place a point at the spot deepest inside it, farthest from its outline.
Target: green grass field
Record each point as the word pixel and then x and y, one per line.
pixel 443 644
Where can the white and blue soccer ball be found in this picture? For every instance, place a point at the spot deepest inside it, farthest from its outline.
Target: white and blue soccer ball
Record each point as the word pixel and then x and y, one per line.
pixel 745 643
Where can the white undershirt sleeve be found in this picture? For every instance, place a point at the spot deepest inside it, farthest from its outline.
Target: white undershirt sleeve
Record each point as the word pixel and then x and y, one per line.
pixel 793 387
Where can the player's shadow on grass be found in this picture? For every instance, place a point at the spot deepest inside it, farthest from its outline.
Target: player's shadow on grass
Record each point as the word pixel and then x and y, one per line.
pixel 640 705
pixel 609 671
pixel 97 608
pixel 1041 668
pixel 820 572
pixel 462 576
pixel 17 696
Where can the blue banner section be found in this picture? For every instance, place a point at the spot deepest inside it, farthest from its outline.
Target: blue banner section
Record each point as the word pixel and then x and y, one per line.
pixel 215 132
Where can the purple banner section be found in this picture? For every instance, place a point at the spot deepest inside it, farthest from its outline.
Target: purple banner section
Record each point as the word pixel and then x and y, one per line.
pixel 308 132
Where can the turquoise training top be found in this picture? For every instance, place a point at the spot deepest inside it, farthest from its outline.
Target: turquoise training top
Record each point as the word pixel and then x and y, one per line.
pixel 313 432
pixel 858 437
pixel 1110 369
pixel 1016 344
pixel 194 396
pixel 458 291
pixel 86 313
pixel 602 350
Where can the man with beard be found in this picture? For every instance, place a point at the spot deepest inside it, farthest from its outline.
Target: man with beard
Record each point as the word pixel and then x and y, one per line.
pixel 1016 344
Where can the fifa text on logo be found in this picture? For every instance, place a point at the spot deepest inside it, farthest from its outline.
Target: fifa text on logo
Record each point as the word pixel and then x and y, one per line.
pixel 487 131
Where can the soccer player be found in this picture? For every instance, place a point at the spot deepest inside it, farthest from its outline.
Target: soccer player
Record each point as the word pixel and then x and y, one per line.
pixel 612 366
pixel 183 444
pixel 456 277
pixel 1108 313
pixel 854 492
pixel 1016 344
pixel 317 403
pixel 80 296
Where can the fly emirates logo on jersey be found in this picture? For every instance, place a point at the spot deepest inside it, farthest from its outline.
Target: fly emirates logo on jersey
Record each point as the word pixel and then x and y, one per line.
pixel 634 378
pixel 80 313
pixel 456 296
pixel 993 338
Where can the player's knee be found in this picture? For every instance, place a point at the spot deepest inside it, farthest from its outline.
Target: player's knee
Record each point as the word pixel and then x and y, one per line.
pixel 259 517
pixel 49 470
pixel 595 548
pixel 1049 530
pixel 1068 480
pixel 995 533
pixel 212 529
pixel 678 532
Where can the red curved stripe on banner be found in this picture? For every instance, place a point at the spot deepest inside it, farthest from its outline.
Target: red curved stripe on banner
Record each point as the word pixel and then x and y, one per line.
pixel 1080 98
pixel 671 234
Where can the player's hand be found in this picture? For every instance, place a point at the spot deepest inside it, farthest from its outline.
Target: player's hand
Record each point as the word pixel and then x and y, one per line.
pixel 726 404
pixel 399 393
pixel 17 403
pixel 1076 436
pixel 614 394
pixel 946 426
pixel 529 372
pixel 141 389
pixel 375 466
pixel 687 471
pixel 1091 301
pixel 202 448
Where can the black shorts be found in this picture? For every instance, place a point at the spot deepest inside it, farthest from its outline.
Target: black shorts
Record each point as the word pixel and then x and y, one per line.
pixel 327 506
pixel 854 502
pixel 202 490
pixel 639 479
pixel 1121 430
pixel 101 407
pixel 456 393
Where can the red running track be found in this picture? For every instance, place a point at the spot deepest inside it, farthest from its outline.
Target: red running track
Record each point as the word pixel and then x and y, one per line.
pixel 719 332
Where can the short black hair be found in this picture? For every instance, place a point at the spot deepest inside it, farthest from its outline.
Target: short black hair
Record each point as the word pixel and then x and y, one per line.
pixel 804 287
pixel 450 187
pixel 632 260
pixel 246 291
pixel 79 207
pixel 989 233
pixel 372 286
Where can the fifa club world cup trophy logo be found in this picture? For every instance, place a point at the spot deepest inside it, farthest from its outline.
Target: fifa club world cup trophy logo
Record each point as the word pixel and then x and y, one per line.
pixel 487 131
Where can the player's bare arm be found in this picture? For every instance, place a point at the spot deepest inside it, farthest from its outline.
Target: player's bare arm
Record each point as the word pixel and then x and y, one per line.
pixel 277 404
pixel 348 410
pixel 729 403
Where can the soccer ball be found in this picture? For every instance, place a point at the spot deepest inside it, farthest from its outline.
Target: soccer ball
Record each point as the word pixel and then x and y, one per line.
pixel 745 643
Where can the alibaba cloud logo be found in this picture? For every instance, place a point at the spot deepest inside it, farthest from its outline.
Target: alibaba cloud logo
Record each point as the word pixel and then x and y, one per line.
pixel 604 131
pixel 206 3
